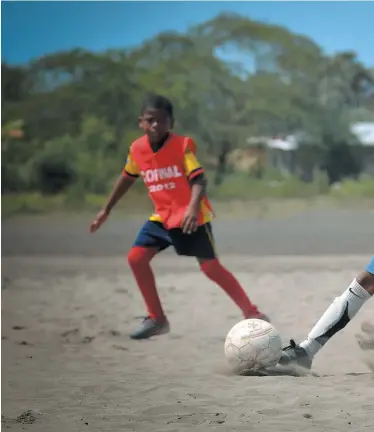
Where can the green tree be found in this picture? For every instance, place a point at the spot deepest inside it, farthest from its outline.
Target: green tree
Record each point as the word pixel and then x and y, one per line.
pixel 230 78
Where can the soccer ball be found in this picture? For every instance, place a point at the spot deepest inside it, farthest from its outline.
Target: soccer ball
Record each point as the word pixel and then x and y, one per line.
pixel 252 345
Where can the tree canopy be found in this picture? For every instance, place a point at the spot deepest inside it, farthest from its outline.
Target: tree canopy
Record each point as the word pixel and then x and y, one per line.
pixel 69 117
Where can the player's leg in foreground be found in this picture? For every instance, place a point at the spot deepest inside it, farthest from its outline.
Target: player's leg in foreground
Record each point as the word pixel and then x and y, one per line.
pixel 200 244
pixel 216 272
pixel 336 317
pixel 151 239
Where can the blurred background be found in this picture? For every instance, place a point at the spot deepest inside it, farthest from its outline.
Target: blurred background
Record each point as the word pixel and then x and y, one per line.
pixel 279 97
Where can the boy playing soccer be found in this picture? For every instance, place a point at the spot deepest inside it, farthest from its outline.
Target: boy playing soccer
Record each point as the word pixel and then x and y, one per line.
pixel 336 317
pixel 176 184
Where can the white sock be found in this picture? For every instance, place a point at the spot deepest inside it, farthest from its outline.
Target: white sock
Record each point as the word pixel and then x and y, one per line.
pixel 336 317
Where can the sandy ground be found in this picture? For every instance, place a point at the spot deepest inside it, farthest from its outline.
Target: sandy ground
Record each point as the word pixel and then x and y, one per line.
pixel 69 301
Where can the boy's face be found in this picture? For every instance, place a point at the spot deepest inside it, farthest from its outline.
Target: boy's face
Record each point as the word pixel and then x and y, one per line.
pixel 155 123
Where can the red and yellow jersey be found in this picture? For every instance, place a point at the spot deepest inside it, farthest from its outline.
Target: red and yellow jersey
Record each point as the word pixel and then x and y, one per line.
pixel 167 173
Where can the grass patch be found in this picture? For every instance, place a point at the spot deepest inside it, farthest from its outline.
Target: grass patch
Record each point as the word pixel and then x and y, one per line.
pixel 35 203
pixel 238 197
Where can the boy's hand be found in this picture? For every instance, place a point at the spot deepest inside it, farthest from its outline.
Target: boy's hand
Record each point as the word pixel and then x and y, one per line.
pixel 190 223
pixel 100 218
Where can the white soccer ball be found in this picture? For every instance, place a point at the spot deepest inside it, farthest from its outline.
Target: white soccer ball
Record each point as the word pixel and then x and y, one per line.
pixel 252 345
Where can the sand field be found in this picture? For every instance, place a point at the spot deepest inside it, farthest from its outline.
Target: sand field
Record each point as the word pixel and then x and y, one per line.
pixel 69 301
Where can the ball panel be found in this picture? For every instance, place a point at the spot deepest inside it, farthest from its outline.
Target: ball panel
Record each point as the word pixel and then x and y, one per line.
pixel 253 344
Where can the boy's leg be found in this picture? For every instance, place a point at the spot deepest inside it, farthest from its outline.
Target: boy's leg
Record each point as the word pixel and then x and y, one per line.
pixel 200 245
pixel 151 239
pixel 336 317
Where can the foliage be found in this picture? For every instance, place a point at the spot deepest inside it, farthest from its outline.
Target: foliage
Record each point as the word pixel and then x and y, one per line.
pixel 69 117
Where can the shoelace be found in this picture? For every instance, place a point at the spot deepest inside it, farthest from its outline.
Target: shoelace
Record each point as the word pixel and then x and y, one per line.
pixel 292 345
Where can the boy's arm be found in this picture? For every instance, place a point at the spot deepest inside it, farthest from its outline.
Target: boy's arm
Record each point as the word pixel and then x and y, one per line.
pixel 128 177
pixel 198 181
pixel 198 189
pixel 123 183
pixel 195 174
pixel 121 186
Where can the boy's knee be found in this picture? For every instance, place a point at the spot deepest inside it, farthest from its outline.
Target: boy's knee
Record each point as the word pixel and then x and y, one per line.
pixel 137 256
pixel 209 267
pixel 366 280
pixel 132 258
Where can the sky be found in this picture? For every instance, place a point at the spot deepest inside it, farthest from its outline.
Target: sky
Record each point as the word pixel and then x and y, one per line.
pixel 32 29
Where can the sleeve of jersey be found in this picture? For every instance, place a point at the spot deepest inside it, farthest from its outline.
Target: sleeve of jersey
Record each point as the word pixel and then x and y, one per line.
pixel 131 169
pixel 192 166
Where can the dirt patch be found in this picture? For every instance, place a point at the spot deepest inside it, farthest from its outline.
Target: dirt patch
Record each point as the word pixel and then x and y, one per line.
pixel 66 315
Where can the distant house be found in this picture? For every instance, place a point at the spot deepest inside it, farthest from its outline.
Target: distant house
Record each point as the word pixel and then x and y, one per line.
pixel 282 152
pixel 276 152
pixel 364 132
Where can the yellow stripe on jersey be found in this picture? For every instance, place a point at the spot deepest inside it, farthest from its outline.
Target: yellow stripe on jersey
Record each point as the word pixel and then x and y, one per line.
pixel 155 218
pixel 193 168
pixel 131 167
pixel 191 164
pixel 207 214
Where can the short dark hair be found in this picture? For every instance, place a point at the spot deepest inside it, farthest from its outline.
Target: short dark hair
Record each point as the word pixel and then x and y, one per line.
pixel 155 101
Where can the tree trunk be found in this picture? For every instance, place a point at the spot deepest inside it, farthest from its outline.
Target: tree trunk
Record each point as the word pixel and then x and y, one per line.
pixel 222 163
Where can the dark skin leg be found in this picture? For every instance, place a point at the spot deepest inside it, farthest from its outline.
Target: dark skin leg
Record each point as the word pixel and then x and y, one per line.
pixel 366 280
pixel 365 339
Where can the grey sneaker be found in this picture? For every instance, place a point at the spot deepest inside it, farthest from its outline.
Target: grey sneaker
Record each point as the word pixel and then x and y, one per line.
pixel 149 328
pixel 294 355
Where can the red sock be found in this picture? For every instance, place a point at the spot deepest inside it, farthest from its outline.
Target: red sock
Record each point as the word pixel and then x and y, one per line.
pixel 226 280
pixel 139 259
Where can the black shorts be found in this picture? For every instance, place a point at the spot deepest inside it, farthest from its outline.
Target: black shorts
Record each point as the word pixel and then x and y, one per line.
pixel 199 244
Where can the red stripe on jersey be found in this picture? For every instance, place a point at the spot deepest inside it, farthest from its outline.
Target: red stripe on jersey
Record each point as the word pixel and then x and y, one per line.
pixel 196 173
